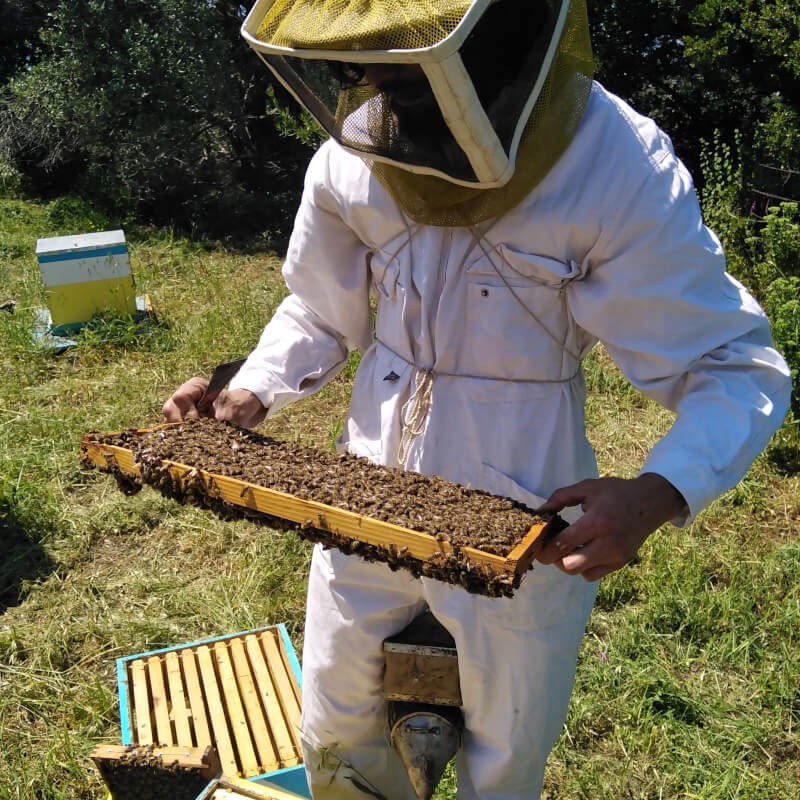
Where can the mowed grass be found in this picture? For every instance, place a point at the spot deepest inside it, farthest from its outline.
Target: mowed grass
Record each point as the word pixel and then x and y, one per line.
pixel 688 682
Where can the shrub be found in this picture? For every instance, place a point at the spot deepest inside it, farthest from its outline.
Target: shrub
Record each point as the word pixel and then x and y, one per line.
pixel 764 253
pixel 71 215
pixel 782 304
pixel 161 111
pixel 10 179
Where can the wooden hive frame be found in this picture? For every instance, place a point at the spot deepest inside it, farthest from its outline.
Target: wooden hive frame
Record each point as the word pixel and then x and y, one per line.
pixel 308 513
pixel 225 788
pixel 238 693
pixel 133 771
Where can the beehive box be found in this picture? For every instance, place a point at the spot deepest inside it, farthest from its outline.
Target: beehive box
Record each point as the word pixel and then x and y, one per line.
pixel 139 456
pixel 239 694
pixel 421 664
pixel 85 275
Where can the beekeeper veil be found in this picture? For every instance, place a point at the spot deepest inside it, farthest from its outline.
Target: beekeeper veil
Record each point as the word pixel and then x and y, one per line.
pixel 459 107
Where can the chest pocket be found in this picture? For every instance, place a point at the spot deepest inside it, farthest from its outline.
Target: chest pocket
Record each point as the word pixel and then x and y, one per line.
pixel 518 319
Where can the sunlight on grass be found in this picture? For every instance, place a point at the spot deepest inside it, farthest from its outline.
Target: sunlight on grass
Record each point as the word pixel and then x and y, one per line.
pixel 688 679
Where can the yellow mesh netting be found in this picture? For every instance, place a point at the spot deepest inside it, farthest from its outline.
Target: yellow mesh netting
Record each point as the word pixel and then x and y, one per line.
pixel 360 24
pixel 550 128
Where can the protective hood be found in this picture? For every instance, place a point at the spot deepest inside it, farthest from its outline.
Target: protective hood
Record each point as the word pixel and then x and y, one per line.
pixel 441 97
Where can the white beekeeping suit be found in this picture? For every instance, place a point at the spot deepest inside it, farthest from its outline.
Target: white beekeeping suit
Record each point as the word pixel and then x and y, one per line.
pixel 471 371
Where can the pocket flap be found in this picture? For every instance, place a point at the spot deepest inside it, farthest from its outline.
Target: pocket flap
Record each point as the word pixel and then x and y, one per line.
pixel 551 271
pixel 538 269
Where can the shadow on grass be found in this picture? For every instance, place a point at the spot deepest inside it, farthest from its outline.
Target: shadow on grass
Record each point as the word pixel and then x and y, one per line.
pixel 23 560
pixel 143 331
pixel 785 458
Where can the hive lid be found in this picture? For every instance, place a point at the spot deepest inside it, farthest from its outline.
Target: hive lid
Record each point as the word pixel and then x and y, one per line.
pixel 58 245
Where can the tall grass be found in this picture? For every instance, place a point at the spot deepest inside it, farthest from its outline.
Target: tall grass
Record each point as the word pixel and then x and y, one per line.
pixel 688 683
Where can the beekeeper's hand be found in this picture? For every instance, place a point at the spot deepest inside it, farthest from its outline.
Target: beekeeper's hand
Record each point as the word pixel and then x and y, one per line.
pixel 236 405
pixel 240 406
pixel 618 516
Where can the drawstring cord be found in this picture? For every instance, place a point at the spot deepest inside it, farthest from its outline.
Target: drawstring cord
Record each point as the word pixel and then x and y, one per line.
pixel 414 412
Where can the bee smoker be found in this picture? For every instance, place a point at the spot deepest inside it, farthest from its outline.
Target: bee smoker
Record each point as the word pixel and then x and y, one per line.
pixel 421 686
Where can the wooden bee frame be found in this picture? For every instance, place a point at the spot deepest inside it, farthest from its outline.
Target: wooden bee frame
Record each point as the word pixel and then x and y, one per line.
pixel 133 772
pixel 225 788
pixel 310 514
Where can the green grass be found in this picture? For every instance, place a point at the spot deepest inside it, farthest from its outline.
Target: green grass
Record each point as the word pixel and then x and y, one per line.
pixel 688 682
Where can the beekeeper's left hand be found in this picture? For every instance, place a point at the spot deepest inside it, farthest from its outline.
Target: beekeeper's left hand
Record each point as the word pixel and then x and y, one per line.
pixel 619 514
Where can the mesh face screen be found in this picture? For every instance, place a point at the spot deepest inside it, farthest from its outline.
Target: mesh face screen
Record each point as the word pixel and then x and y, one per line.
pixel 503 56
pixel 397 118
pixel 361 24
pixel 547 134
pixel 397 125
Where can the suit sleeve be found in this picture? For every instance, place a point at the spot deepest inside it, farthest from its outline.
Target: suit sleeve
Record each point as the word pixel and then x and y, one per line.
pixel 327 313
pixel 685 333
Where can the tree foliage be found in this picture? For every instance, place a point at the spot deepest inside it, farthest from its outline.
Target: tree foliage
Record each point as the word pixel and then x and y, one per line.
pixel 156 106
pixel 757 45
pixel 700 66
pixel 19 34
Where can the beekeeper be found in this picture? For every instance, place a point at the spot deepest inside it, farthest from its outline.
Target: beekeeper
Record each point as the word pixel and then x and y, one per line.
pixel 482 214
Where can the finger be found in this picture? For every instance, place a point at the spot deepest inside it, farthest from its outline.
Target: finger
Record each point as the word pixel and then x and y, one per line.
pixel 573 495
pixel 595 573
pixel 574 536
pixel 183 402
pixel 178 409
pixel 225 409
pixel 577 562
pixel 240 406
pixel 592 562
pixel 171 412
pixel 587 561
pixel 549 554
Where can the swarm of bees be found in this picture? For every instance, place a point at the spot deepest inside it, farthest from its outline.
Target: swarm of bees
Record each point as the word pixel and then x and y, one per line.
pixel 140 774
pixel 450 512
pixel 452 567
